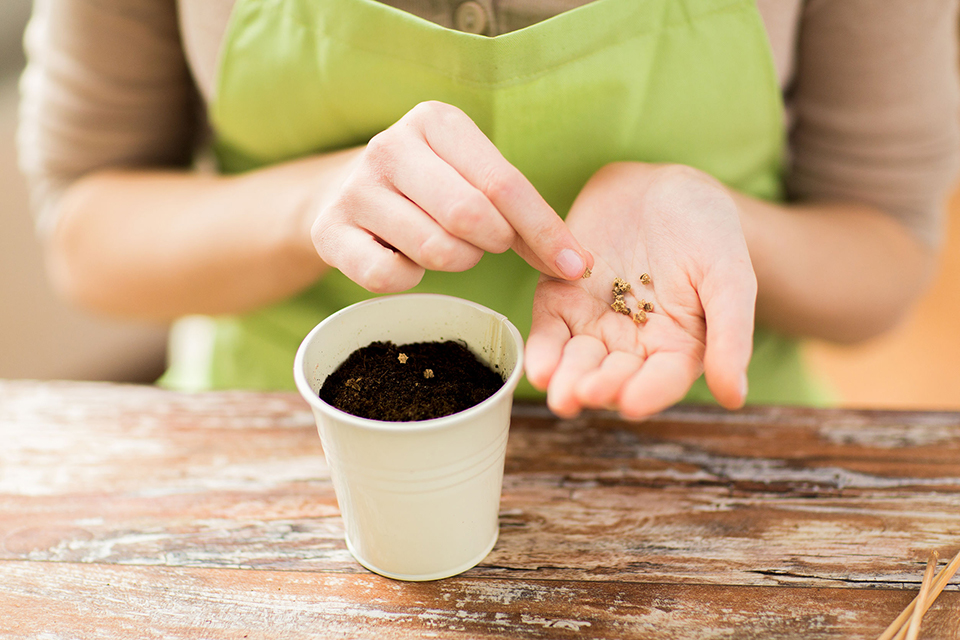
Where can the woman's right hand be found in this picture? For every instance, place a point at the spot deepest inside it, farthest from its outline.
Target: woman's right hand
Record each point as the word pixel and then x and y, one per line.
pixel 432 192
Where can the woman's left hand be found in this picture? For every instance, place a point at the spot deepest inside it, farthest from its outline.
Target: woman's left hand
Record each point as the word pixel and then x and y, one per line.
pixel 682 228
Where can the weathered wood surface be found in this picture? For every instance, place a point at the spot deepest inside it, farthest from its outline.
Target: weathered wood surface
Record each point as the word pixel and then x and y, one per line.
pixel 109 601
pixel 139 511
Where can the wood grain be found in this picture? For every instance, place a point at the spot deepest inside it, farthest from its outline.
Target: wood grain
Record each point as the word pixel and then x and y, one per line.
pixel 171 509
pixel 76 600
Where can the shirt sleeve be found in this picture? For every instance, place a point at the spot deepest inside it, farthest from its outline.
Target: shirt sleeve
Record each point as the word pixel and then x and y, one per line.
pixel 106 86
pixel 876 102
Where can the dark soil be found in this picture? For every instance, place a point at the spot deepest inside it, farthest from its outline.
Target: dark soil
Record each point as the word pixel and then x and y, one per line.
pixel 417 381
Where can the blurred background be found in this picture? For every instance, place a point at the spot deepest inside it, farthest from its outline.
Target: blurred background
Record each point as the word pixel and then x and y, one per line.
pixel 917 366
pixel 41 337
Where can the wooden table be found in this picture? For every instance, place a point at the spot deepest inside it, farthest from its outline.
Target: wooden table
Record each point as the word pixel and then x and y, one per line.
pixel 129 511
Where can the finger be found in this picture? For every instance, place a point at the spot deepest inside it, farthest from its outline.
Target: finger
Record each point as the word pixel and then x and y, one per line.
pixel 662 381
pixel 459 142
pixel 403 225
pixel 440 191
pixel 729 296
pixel 599 389
pixel 548 334
pixel 364 259
pixel 581 354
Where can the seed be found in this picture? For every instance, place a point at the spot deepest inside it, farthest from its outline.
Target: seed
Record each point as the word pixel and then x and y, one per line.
pixel 353 383
pixel 620 306
pixel 403 358
pixel 428 373
pixel 620 286
pixel 644 278
pixel 647 306
pixel 640 317
pixel 586 274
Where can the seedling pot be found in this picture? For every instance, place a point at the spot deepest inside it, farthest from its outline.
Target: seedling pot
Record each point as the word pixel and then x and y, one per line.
pixel 419 500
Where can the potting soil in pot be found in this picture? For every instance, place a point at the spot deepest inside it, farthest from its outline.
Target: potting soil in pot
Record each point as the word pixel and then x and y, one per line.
pixel 416 381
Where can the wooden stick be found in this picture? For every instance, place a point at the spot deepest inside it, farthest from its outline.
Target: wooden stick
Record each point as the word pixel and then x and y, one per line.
pixel 914 627
pixel 938 585
pixel 913 620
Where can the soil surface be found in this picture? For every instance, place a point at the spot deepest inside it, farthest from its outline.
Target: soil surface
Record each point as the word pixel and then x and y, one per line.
pixel 416 381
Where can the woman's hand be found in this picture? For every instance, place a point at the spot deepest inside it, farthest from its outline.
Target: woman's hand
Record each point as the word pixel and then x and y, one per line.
pixel 682 228
pixel 432 192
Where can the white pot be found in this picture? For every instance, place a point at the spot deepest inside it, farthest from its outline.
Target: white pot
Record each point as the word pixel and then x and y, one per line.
pixel 419 500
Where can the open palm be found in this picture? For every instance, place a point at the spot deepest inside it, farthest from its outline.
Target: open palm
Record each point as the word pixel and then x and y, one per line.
pixel 682 228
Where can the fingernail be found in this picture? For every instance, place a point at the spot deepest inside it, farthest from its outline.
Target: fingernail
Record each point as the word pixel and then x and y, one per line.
pixel 743 386
pixel 570 264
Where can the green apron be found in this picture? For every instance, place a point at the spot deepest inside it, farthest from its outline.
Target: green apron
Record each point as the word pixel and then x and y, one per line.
pixel 682 81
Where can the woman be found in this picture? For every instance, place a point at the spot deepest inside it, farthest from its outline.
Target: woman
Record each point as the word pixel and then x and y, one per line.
pixel 366 148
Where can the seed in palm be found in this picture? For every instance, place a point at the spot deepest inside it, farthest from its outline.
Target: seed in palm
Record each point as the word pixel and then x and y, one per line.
pixel 620 286
pixel 620 306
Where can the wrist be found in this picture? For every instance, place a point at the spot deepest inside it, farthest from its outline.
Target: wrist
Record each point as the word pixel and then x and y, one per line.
pixel 303 188
pixel 758 220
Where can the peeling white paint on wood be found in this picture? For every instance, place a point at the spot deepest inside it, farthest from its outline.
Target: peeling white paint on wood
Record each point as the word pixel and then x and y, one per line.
pixel 890 436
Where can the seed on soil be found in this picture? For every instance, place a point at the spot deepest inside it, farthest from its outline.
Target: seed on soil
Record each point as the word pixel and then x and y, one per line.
pixel 644 278
pixel 354 383
pixel 403 358
pixel 428 373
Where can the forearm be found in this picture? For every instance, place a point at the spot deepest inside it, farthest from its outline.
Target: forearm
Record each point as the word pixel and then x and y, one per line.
pixel 840 272
pixel 157 245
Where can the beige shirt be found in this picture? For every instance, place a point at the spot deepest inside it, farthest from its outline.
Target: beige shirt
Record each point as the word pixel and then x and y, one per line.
pixel 871 90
